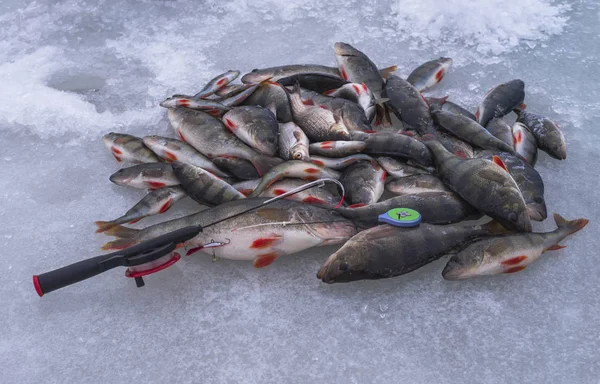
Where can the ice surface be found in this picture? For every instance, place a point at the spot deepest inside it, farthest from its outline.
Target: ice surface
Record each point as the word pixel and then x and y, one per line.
pixel 73 71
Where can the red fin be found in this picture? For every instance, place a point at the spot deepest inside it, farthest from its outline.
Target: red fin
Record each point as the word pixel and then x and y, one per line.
pixel 514 260
pixel 229 124
pixel 170 157
pixel 318 162
pixel 135 220
pixel 265 259
pixel 117 157
pixel 222 81
pixel 517 138
pixel 166 206
pixel 498 161
pixel 264 242
pixel 181 136
pixel 439 75
pixel 279 191
pixel 103 226
pixel 246 192
pixel 461 154
pixel 327 93
pixel 343 73
pixel 327 144
pixel 365 87
pixel 313 200
pixel 383 176
pixel 556 247
pixel 119 244
pixel 358 205
pixel 514 269
pixel 122 232
pixel 323 107
pixel 356 89
pixel 183 102
pixel 312 170
pixel 522 106
pixel 311 178
pixel 308 102
pixel 477 115
pixel 155 184
pixel 370 131
pixel 116 151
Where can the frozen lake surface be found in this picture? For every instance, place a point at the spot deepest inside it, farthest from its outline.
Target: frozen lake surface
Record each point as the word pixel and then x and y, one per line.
pixel 73 71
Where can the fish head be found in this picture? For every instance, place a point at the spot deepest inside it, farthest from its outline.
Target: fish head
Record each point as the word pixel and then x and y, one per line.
pixel 557 147
pixel 154 140
pixel 124 176
pixel 109 138
pixel 445 61
pixel 300 152
pixel 465 264
pixel 256 76
pixel 339 131
pixel 537 209
pixel 343 49
pixel 349 263
pixel 170 102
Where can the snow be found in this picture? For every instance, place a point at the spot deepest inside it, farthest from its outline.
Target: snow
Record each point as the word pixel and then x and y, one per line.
pixel 73 71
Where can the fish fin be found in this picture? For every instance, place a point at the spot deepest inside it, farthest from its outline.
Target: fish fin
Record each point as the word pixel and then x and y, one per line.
pixel 122 232
pixel 329 92
pixel 265 259
pixel 386 72
pixel 556 247
pixel 165 207
pixel 498 161
pixel 490 175
pixel 381 101
pixel 103 226
pixel 266 241
pixel 571 225
pixel 274 214
pixel 308 102
pixel 134 221
pixel 119 244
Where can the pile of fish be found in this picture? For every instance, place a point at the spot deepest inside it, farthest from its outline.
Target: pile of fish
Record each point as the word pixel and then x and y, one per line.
pixel 237 145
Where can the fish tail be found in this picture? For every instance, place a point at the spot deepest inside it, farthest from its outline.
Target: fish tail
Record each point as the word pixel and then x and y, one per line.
pixel 119 244
pixel 122 232
pixel 571 226
pixel 104 226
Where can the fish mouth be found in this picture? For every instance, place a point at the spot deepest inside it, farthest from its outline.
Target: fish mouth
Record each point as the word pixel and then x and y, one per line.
pixel 343 49
pixel 322 273
pixel 452 273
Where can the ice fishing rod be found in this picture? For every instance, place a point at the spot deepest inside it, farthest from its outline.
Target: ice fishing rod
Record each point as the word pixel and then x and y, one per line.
pixel 149 256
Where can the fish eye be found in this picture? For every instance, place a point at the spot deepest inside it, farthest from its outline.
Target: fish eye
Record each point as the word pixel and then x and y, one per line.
pixel 538 200
pixel 512 217
pixel 297 156
pixel 343 266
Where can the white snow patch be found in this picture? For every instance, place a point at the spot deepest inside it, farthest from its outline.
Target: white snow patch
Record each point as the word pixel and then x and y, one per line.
pixel 490 26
